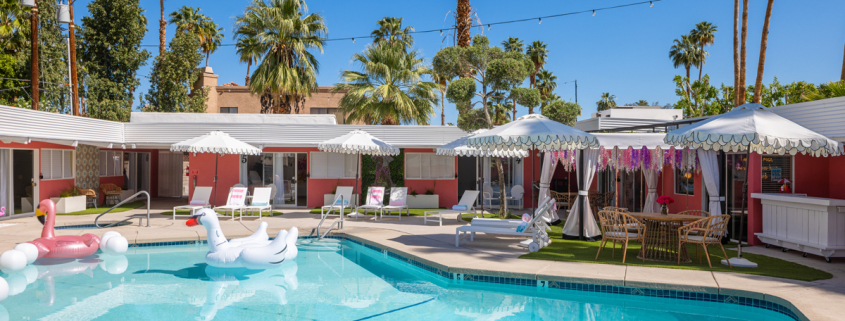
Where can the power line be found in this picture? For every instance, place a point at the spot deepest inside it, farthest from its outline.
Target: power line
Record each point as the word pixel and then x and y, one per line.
pixel 539 19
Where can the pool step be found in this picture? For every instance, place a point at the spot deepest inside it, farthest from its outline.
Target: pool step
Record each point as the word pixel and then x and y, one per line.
pixel 325 245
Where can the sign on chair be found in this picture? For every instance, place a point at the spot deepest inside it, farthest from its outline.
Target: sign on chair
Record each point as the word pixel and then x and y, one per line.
pixel 238 196
pixel 376 195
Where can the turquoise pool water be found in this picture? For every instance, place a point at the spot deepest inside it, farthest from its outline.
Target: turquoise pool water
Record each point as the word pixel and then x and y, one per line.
pixel 330 280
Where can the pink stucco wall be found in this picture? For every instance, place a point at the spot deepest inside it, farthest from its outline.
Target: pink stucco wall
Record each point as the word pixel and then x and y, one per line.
pixel 46 188
pixel 682 201
pixel 446 189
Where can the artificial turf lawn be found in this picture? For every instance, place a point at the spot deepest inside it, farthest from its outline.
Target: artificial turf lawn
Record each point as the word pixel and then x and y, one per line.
pixel 187 212
pixel 578 251
pixel 413 211
pixel 101 209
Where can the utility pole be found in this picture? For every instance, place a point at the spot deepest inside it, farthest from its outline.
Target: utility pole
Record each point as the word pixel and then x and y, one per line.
pixel 72 57
pixel 34 42
pixel 576 91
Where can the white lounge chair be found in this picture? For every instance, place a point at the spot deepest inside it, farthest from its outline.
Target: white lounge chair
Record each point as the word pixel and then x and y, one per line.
pixel 467 201
pixel 198 201
pixel 535 229
pixel 398 202
pixel 488 195
pixel 374 202
pixel 342 201
pixel 260 202
pixel 495 222
pixel 235 201
pixel 517 193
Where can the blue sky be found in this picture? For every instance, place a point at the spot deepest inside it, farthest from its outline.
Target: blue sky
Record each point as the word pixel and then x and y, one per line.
pixel 621 51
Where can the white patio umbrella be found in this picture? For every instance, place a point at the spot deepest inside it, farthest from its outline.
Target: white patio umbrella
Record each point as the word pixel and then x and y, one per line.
pixel 751 128
pixel 216 142
pixel 358 142
pixel 537 132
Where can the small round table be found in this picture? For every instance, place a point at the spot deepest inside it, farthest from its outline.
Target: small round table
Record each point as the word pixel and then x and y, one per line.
pixel 661 236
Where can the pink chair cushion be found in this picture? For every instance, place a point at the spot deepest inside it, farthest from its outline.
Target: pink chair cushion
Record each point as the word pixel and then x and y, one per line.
pixel 397 203
pixel 198 203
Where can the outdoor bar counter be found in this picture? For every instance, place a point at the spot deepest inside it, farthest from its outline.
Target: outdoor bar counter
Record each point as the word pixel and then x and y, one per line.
pixel 811 225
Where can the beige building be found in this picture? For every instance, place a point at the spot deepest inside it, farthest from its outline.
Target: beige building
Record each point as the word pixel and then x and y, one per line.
pixel 234 98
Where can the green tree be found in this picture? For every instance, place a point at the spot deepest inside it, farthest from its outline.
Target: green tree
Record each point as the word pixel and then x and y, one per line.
pixel 389 89
pixel 538 53
pixel 14 26
pixel 703 35
pixel 55 96
pixel 188 20
pixel 546 83
pixel 390 31
pixel 210 38
pixel 828 90
pixel 442 81
pixel 528 97
pixel 489 71
pixel 286 34
pixel 684 52
pixel 698 98
pixel 249 50
pixel 641 102
pixel 172 77
pixel 512 44
pixel 606 102
pixel 110 53
pixel 565 112
pixel 13 90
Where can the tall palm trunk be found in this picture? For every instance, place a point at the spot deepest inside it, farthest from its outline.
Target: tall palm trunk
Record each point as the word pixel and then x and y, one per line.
pixel 701 63
pixel 162 27
pixel 463 23
pixel 207 53
pixel 842 78
pixel 736 53
pixel 758 85
pixel 248 64
pixel 742 53
pixel 442 108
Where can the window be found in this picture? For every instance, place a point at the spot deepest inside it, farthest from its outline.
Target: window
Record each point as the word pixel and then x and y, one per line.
pixel 773 169
pixel 429 166
pixel 111 163
pixel 333 165
pixel 228 110
pixel 323 111
pixel 684 182
pixel 57 163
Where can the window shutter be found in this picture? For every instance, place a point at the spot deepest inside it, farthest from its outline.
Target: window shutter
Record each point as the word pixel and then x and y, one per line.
pixel 350 163
pixel 103 163
pixel 425 166
pixel 336 165
pixel 55 164
pixel 319 165
pixel 45 163
pixel 67 164
pixel 450 167
pixel 412 165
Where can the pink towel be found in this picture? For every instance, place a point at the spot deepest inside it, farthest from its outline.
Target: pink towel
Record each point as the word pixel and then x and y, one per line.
pixel 397 203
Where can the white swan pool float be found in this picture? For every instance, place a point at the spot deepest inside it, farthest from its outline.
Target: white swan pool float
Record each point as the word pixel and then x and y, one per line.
pixel 255 252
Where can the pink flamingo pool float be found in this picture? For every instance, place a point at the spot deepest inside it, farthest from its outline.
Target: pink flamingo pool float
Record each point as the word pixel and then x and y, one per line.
pixel 65 246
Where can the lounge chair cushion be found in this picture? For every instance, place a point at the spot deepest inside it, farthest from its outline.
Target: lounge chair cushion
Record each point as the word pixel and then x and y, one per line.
pixel 397 203
pixel 459 207
pixel 699 238
pixel 343 202
pixel 260 204
pixel 621 235
pixel 198 203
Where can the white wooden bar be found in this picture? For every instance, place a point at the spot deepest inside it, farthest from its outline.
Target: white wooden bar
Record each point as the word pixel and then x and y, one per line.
pixel 811 225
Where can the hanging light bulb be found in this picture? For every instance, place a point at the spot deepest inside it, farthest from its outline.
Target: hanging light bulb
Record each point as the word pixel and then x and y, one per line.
pixel 488 27
pixel 651 4
pixel 594 13
pixel 441 32
pixel 353 40
pixel 540 20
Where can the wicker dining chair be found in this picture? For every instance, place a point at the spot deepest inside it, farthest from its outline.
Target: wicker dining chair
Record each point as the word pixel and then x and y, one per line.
pixel 111 192
pixel 615 209
pixel 710 231
pixel 564 200
pixel 616 227
pixel 90 195
pixel 694 213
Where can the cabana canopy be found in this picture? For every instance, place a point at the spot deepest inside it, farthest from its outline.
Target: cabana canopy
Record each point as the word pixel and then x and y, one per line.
pixel 358 142
pixel 216 142
pixel 533 132
pixel 459 147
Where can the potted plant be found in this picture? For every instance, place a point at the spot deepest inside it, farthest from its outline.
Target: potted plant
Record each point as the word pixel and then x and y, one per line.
pixel 426 200
pixel 664 202
pixel 69 201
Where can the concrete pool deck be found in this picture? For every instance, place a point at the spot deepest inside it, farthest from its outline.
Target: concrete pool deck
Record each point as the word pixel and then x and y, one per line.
pixel 489 255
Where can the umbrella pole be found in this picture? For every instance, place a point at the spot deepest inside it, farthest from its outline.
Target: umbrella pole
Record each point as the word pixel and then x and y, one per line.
pixel 582 201
pixel 216 157
pixel 533 173
pixel 744 196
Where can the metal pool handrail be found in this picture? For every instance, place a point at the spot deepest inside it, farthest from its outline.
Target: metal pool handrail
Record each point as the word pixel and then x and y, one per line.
pixel 121 203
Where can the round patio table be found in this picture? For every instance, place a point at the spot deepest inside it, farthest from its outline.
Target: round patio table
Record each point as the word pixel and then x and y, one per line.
pixel 661 236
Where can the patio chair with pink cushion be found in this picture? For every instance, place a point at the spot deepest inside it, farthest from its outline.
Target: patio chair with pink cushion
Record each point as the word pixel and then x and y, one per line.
pixel 398 202
pixel 198 201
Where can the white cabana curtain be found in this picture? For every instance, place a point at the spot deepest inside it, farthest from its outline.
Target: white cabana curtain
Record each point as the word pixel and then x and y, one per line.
pixel 650 205
pixel 6 182
pixel 546 175
pixel 710 172
pixel 591 229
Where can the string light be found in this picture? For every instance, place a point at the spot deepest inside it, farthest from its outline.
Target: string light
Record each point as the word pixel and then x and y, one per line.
pixel 353 40
pixel 594 13
pixel 651 4
pixel 540 20
pixel 488 27
pixel 441 32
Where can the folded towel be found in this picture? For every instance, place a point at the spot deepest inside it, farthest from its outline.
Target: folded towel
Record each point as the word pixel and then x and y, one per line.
pixel 198 203
pixel 397 203
pixel 339 202
pixel 521 227
pixel 459 207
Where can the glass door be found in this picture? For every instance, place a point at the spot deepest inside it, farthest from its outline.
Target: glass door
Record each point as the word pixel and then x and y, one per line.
pixel 735 168
pixel 287 173
pixel 24 189
pixel 512 168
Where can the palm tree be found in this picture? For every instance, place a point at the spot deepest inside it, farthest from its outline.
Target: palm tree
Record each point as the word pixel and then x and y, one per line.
pixel 736 52
pixel 606 102
pixel 537 53
pixel 390 31
pixel 740 89
pixel 187 19
pixel 684 52
pixel 249 50
pixel 162 27
pixel 842 77
pixel 389 89
pixel 286 33
pixel 761 64
pixel 12 31
pixel 211 37
pixel 463 22
pixel 442 81
pixel 547 83
pixel 703 35
pixel 512 44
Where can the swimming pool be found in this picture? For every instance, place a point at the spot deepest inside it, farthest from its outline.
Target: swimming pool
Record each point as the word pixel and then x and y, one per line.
pixel 330 280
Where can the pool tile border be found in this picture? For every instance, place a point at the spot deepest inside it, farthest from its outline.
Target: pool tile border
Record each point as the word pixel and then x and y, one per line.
pixel 544 283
